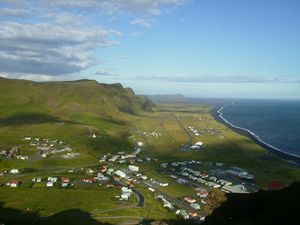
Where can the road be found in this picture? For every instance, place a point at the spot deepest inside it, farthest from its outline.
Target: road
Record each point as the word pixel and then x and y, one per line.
pixel 141 198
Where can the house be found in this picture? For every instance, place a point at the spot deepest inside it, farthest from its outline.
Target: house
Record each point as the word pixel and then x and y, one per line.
pixel 212 178
pixel 189 199
pixel 49 184
pixel 192 177
pixel 202 218
pixel 64 184
pixel 202 194
pixel 224 182
pixel 184 174
pixel 195 147
pixel 120 173
pixel 94 136
pixel 164 184
pixel 22 157
pixel 151 189
pixel 14 171
pixel 140 144
pixel 110 171
pixel 193 214
pixel 204 175
pixel 236 171
pixel 109 185
pixel 65 180
pixel 144 177
pixel 126 193
pixel 164 165
pixel 173 176
pixel 103 178
pixel 52 179
pixel 133 168
pixel 182 181
pixel 213 184
pixel 37 180
pixel 200 180
pixel 235 189
pixel 121 161
pixel 13 183
pixel 89 180
pixel 183 213
pixel 195 206
pixel 199 143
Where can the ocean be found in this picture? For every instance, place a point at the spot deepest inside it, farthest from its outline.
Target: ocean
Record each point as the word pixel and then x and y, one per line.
pixel 276 123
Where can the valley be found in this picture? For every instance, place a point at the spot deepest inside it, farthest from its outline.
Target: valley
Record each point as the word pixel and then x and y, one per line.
pixel 83 133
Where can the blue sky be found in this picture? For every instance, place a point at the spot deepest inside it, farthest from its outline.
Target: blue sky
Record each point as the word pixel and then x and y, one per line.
pixel 215 48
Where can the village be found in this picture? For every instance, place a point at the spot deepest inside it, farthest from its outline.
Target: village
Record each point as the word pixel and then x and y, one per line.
pixel 36 148
pixel 123 172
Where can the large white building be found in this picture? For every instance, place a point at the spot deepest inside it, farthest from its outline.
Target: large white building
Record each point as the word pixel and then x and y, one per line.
pixel 120 173
pixel 133 168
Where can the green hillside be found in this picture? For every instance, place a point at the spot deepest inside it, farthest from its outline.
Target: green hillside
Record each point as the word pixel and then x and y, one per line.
pixel 67 99
pixel 70 111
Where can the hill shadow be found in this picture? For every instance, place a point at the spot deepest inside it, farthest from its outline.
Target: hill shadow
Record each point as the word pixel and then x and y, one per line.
pixel 278 207
pixel 10 216
pixel 31 118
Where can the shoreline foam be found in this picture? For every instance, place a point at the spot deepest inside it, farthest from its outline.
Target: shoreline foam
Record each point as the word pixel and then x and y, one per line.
pixel 255 137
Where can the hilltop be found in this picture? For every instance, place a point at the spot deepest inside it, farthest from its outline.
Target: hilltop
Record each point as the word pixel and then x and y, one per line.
pixel 68 98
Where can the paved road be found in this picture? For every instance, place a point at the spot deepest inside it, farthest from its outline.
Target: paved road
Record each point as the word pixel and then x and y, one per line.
pixel 141 198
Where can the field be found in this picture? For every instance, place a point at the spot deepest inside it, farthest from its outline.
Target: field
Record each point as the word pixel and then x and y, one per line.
pixel 29 204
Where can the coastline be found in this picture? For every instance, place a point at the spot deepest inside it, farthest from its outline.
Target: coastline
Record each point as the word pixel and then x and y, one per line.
pixel 217 114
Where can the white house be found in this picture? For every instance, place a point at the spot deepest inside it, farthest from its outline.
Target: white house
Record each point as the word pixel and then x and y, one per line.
pixel 49 184
pixel 195 205
pixel 151 189
pixel 52 179
pixel 13 183
pixel 213 184
pixel 133 168
pixel 14 171
pixel 120 173
pixel 126 193
pixel 235 189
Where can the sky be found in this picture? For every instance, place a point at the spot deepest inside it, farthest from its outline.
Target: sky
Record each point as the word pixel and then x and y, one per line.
pixel 199 48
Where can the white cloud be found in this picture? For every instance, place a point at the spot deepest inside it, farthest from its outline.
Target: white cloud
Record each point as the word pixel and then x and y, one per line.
pixel 105 73
pixel 59 37
pixel 141 22
pixel 221 79
pixel 38 77
pixel 152 7
pixel 53 49
pixel 7 12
